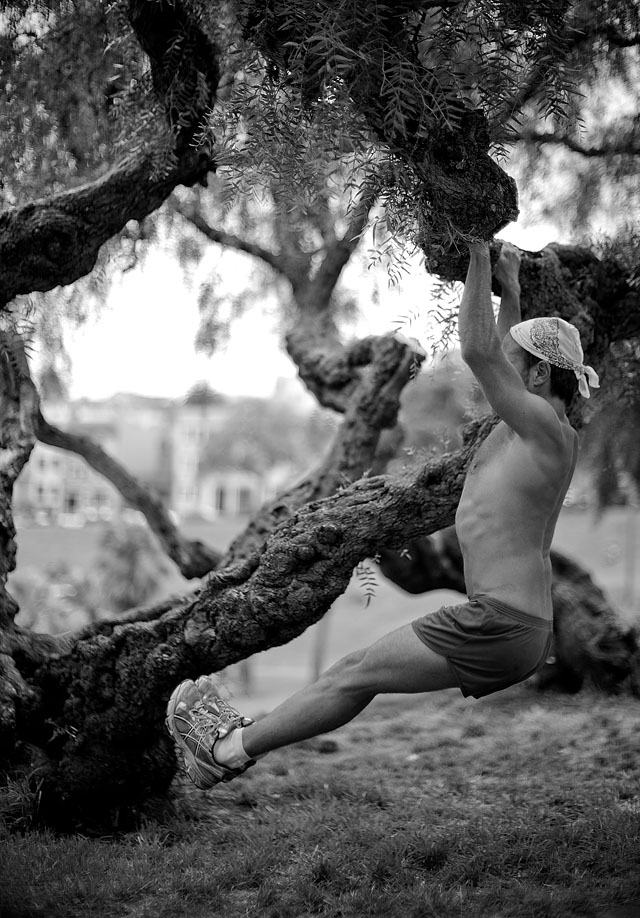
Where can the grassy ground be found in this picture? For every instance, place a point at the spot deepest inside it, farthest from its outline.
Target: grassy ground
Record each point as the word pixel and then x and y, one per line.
pixel 516 805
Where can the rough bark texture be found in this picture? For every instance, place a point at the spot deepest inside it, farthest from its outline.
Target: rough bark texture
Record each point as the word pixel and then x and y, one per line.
pixel 93 708
pixel 592 642
pixel 372 409
pixel 18 401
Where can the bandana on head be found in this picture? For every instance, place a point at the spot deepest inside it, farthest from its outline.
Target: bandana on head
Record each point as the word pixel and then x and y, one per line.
pixel 557 342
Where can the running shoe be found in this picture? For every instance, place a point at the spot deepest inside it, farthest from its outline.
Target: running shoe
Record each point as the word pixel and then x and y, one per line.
pixel 196 719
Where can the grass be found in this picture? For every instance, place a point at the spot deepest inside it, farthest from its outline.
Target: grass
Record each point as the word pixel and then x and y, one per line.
pixel 518 804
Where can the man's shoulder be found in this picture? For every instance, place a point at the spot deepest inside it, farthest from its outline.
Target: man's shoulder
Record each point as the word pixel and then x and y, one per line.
pixel 553 437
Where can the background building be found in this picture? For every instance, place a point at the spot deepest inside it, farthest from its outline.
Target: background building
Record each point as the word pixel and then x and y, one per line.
pixel 191 453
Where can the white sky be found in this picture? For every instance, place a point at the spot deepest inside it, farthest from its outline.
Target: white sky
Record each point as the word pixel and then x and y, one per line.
pixel 143 341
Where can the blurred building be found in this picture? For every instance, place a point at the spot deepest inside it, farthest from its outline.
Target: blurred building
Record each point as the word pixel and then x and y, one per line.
pixel 209 478
pixel 196 422
pixel 163 443
pixel 58 486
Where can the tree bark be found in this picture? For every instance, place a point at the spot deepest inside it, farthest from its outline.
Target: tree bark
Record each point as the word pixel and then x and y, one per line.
pixel 372 409
pixel 55 241
pixel 595 294
pixel 18 403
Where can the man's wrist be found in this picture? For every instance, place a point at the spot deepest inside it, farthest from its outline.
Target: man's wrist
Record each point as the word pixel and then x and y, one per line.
pixel 479 248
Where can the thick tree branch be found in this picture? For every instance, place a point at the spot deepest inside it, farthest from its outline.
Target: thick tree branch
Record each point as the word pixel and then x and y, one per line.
pixel 53 242
pixel 569 281
pixel 193 558
pixel 329 369
pixel 97 703
pixel 185 65
pixel 18 402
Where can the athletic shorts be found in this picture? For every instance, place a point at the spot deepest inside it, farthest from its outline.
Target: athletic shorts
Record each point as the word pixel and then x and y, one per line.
pixel 488 644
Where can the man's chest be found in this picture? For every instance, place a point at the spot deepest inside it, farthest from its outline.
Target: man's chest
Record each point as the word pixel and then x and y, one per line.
pixel 495 453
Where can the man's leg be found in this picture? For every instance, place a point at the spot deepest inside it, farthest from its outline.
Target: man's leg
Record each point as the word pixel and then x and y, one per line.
pixel 398 662
pixel 218 744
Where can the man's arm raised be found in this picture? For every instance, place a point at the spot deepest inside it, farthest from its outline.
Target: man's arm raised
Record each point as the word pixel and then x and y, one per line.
pixel 481 346
pixel 507 272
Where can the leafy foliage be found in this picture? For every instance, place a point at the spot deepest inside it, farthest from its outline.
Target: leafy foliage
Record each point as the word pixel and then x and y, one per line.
pixel 367 581
pixel 60 81
pixel 584 175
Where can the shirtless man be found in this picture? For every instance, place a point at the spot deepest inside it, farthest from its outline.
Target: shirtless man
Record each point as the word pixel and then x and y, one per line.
pixel 505 521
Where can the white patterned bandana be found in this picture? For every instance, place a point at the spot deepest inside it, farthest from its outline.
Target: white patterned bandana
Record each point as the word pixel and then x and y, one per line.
pixel 557 342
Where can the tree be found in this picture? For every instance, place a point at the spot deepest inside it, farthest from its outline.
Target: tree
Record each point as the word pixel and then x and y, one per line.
pixel 260 435
pixel 413 95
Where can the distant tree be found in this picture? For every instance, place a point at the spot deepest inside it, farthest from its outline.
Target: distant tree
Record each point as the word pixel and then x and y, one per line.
pixel 202 394
pixel 259 434
pixel 129 567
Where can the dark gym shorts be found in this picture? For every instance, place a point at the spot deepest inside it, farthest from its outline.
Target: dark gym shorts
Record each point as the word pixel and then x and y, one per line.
pixel 488 644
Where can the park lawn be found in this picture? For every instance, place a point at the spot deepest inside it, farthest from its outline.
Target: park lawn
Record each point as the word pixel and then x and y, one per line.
pixel 521 804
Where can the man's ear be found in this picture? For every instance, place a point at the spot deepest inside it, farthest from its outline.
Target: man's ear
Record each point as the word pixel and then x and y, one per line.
pixel 542 373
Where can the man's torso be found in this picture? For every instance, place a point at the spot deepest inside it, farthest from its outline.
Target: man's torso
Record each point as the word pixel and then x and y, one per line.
pixel 507 514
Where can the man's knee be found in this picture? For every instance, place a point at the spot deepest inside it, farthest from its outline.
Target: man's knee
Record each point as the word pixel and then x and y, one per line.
pixel 350 673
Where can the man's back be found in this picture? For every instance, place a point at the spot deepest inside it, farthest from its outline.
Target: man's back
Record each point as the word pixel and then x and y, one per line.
pixel 507 514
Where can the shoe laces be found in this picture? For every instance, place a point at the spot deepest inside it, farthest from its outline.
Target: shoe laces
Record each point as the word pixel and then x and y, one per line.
pixel 201 722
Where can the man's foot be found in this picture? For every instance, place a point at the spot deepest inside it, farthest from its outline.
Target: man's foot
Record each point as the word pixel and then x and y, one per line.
pixel 196 719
